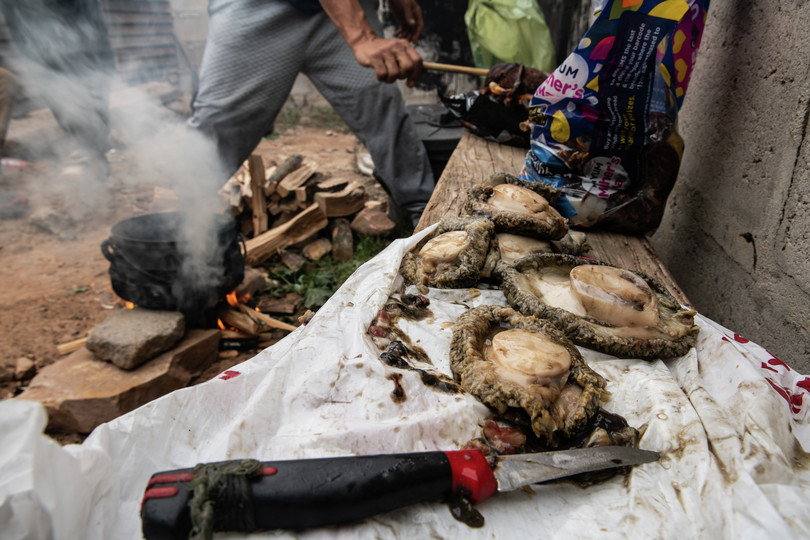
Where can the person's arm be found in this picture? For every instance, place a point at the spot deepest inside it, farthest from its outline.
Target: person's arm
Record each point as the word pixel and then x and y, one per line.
pixel 391 59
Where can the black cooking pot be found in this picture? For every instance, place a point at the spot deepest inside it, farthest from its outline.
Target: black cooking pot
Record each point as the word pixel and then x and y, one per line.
pixel 147 257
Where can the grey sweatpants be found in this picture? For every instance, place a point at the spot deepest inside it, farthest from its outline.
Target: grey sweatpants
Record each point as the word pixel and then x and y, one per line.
pixel 254 52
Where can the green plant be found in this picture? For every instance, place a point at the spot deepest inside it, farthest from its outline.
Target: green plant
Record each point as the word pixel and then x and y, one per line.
pixel 317 281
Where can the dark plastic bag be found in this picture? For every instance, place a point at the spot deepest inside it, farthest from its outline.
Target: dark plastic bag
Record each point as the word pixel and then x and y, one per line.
pixel 499 112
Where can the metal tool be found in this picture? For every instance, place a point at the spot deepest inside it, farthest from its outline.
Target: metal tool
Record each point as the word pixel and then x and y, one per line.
pixel 251 496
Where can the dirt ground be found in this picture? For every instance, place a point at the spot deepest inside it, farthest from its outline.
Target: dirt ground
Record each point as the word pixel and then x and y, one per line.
pixel 55 282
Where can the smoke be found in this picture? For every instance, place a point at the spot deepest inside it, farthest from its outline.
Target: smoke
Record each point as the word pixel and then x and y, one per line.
pixel 65 59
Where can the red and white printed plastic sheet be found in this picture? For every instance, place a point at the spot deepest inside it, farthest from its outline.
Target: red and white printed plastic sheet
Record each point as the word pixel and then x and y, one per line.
pixel 731 423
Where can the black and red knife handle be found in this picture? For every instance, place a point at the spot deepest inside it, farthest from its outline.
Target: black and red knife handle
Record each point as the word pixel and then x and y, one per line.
pixel 299 494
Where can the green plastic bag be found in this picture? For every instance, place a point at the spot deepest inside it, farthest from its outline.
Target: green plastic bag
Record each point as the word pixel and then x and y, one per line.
pixel 509 31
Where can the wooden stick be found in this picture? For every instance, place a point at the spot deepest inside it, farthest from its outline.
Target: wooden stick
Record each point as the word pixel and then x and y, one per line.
pixel 266 320
pixel 450 68
pixel 71 346
pixel 241 321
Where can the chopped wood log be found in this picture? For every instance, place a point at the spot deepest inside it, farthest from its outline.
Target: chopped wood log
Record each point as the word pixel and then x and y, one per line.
pixel 225 355
pixel 236 190
pixel 274 207
pixel 258 203
pixel 332 184
pixel 284 217
pixel 301 196
pixel 295 179
pixel 314 251
pixel 308 222
pixel 289 205
pixel 265 320
pixel 286 305
pixel 345 202
pixel 373 222
pixel 286 167
pixel 71 346
pixel 255 281
pixel 382 206
pixel 292 260
pixel 239 320
pixel 342 240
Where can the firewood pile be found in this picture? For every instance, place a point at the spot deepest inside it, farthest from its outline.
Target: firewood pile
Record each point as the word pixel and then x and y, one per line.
pixel 295 205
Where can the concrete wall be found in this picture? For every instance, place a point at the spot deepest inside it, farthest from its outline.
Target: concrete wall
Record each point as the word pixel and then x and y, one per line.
pixel 736 234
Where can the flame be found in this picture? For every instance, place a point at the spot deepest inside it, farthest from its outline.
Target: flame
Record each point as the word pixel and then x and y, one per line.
pixel 221 324
pixel 129 305
pixel 232 299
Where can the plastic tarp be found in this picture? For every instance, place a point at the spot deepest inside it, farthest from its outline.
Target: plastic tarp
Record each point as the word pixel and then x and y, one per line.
pixel 731 423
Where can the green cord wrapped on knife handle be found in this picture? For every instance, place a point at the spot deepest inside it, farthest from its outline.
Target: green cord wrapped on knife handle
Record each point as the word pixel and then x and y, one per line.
pixel 249 495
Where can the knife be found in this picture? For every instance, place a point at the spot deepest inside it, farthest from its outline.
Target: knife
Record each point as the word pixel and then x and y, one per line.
pixel 250 495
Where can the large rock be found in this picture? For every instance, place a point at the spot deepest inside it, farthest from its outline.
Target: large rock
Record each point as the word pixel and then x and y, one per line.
pixel 130 337
pixel 80 391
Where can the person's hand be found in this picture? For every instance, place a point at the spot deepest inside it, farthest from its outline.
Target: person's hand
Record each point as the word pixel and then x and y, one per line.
pixel 391 59
pixel 409 16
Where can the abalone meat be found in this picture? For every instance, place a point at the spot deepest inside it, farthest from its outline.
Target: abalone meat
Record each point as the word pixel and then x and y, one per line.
pixel 526 370
pixel 452 256
pixel 516 209
pixel 512 247
pixel 602 307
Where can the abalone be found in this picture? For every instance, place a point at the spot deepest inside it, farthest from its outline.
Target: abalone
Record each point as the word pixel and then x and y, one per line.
pixel 526 370
pixel 516 209
pixel 512 247
pixel 602 307
pixel 452 256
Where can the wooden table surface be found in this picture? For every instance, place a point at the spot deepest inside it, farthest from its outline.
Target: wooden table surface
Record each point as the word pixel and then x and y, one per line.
pixel 475 159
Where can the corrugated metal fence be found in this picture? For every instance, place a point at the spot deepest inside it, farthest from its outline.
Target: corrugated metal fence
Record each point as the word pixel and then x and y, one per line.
pixel 142 37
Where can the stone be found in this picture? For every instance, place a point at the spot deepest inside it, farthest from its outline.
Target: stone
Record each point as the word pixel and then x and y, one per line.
pixel 25 368
pixel 373 221
pixel 47 219
pixel 130 337
pixel 80 391
pixel 6 371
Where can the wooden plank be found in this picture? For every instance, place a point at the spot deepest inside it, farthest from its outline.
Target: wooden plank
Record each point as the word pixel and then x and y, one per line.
pixel 258 203
pixel 301 227
pixel 475 159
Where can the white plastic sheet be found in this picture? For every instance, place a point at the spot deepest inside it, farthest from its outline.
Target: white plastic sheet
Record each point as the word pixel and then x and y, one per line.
pixel 731 422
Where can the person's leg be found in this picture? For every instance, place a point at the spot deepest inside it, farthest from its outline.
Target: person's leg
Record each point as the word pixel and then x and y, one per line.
pixel 376 113
pixel 65 51
pixel 252 55
pixel 8 93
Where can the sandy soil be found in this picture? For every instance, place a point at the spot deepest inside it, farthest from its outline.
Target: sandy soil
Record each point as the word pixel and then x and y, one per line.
pixel 55 282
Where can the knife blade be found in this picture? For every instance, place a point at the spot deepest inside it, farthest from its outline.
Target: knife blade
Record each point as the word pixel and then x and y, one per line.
pixel 250 495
